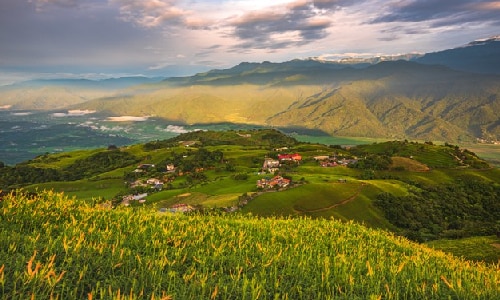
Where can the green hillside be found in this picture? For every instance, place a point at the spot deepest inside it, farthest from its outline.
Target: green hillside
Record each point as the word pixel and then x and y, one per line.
pixel 63 248
pixel 421 191
pixel 391 99
pixel 397 99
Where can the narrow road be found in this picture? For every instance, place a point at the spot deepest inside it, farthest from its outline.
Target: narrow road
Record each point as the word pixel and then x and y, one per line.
pixel 345 201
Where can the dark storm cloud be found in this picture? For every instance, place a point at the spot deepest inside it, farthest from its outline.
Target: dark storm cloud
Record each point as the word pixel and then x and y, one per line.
pixel 441 13
pixel 72 33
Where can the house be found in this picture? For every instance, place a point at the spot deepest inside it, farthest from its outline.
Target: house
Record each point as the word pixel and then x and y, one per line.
pixel 278 181
pixel 270 165
pixel 153 181
pixel 281 149
pixel 293 156
pixel 143 168
pixel 170 168
pixel 328 163
pixel 321 157
pixel 140 197
pixel 137 183
pixel 180 207
pixel 188 143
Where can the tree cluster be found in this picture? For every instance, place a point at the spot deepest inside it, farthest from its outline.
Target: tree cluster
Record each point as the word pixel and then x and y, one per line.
pixel 22 174
pixel 467 207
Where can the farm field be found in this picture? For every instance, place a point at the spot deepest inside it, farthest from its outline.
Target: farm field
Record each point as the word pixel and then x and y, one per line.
pixel 59 247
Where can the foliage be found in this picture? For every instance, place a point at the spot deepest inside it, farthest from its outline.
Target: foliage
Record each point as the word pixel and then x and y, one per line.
pixel 222 173
pixel 454 210
pixel 262 137
pixel 372 162
pixel 22 175
pixel 478 248
pixel 434 156
pixel 99 163
pixel 55 247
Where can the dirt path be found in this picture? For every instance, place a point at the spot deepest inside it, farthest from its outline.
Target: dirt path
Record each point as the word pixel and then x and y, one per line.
pixel 345 201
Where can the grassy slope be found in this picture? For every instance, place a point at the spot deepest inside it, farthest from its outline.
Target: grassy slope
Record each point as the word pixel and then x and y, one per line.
pixel 483 248
pixel 57 247
pixel 317 198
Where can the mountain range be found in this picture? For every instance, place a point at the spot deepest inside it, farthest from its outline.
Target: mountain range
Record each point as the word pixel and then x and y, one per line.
pixel 451 95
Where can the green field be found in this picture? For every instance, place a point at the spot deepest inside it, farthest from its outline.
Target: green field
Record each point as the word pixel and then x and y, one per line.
pixel 484 248
pixel 54 247
pixel 229 182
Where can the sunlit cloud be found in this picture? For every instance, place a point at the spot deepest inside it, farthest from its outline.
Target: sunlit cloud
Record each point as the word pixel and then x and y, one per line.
pixel 151 13
pixel 27 113
pixel 73 113
pixel 173 129
pixel 127 119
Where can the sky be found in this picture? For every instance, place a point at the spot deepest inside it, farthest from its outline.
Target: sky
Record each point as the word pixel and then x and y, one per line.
pixel 112 38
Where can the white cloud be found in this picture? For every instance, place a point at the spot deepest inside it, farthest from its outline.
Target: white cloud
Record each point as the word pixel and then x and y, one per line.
pixel 173 129
pixel 73 113
pixel 127 119
pixel 113 129
pixel 21 113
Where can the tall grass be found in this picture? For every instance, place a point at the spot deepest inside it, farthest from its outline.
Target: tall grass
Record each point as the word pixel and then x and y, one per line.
pixel 54 247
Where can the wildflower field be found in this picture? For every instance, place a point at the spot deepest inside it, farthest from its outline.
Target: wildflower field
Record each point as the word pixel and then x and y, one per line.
pixel 55 247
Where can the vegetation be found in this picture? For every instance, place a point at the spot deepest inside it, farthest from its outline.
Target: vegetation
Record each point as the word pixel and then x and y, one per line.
pixel 62 248
pixel 100 162
pixel 387 185
pixel 478 248
pixel 468 207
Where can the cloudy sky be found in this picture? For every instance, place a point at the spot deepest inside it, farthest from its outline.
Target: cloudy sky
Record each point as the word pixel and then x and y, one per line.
pixel 100 38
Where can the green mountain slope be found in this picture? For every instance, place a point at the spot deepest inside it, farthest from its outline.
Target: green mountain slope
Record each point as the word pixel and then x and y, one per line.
pixel 396 99
pixel 211 169
pixel 62 93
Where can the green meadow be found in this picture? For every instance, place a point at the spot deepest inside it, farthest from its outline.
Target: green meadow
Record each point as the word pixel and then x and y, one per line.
pixel 222 176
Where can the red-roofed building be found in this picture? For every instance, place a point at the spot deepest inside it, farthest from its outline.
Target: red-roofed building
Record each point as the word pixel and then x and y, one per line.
pixel 293 156
pixel 271 183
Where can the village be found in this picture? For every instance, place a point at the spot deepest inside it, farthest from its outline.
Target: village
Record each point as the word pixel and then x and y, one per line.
pixel 273 178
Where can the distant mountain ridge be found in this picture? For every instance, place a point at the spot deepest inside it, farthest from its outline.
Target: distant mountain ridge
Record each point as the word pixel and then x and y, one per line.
pixel 451 95
pixel 480 56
